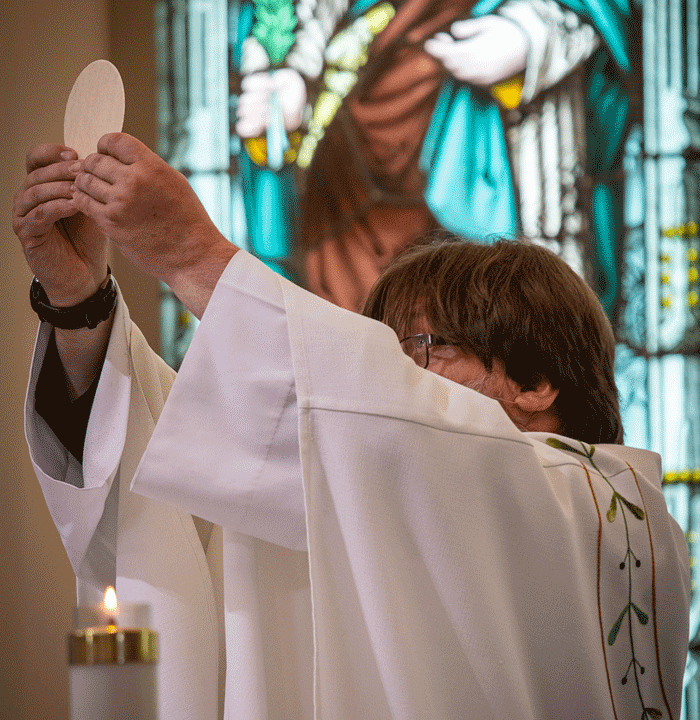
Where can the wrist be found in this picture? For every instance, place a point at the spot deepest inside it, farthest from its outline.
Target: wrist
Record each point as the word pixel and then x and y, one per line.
pixel 69 296
pixel 195 283
pixel 88 313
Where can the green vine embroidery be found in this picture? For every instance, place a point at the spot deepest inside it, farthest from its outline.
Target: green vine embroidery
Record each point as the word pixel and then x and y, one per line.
pixel 624 505
pixel 274 27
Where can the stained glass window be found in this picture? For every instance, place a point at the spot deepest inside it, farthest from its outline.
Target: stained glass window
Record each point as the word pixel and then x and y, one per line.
pixel 602 166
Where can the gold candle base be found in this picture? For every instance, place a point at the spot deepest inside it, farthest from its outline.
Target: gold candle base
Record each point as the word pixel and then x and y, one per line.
pixel 112 646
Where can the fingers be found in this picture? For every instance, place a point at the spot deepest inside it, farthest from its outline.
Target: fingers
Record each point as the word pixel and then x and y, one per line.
pixel 65 170
pixel 261 82
pixel 93 208
pixel 442 45
pixel 37 195
pixel 93 186
pixel 39 220
pixel 45 196
pixel 253 114
pixel 48 154
pixel 104 167
pixel 292 93
pixel 440 48
pixel 463 29
pixel 122 147
pixel 253 108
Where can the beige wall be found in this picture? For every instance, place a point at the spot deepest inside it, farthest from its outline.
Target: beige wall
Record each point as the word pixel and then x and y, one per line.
pixel 45 44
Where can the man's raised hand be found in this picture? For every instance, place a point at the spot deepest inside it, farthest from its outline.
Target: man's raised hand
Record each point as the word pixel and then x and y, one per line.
pixel 64 250
pixel 150 212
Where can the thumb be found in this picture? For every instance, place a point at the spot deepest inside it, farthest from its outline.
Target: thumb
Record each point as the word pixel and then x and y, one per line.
pixel 125 148
pixel 463 29
pixel 440 46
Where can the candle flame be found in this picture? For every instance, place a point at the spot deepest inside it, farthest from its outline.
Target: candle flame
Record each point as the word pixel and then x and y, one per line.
pixel 110 602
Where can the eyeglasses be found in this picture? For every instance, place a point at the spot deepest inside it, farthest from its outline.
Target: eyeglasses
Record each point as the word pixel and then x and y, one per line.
pixel 416 347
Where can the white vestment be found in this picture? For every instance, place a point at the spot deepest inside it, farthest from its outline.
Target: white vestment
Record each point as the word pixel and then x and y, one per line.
pixel 386 543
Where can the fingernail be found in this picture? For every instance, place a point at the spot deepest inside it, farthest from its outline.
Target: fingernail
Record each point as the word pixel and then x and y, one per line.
pixel 75 167
pixel 67 154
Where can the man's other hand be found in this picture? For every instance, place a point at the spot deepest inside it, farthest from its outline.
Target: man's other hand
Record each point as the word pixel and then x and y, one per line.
pixel 152 214
pixel 482 51
pixel 64 249
pixel 254 111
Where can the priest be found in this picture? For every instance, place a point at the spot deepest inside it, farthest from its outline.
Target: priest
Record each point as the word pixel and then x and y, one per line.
pixel 422 513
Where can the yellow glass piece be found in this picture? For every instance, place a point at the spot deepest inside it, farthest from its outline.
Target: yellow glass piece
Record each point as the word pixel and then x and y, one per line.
pixel 666 301
pixel 353 62
pixel 307 150
pixel 693 274
pixel 692 254
pixel 665 258
pixel 327 106
pixel 509 92
pixel 688 475
pixel 378 18
pixel 339 81
pixel 687 230
pixel 317 131
pixel 665 279
pixel 693 298
pixel 257 149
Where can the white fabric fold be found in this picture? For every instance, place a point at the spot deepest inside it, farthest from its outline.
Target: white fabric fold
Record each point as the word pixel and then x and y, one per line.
pixel 559 41
pixel 232 416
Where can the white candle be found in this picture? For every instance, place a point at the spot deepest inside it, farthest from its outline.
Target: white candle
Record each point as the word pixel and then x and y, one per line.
pixel 112 657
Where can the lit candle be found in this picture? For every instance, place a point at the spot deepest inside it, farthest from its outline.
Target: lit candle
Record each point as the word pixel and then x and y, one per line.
pixel 112 658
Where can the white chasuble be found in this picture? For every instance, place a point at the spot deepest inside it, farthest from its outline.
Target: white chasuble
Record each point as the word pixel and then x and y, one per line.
pixel 387 543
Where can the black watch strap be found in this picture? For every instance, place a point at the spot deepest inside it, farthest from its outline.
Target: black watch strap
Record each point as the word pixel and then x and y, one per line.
pixel 89 313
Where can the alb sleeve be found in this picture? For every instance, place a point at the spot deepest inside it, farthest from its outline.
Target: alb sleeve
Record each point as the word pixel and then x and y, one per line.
pixel 226 445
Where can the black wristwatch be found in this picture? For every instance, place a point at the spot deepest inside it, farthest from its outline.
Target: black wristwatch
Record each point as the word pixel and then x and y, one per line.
pixel 89 313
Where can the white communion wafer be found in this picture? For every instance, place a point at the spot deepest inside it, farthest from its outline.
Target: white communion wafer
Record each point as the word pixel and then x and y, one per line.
pixel 95 107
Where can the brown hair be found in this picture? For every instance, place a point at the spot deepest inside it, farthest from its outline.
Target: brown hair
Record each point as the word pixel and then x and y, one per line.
pixel 517 302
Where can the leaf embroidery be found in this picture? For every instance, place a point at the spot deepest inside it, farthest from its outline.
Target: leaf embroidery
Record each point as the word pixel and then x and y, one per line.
pixel 634 509
pixel 642 617
pixel 559 445
pixel 612 636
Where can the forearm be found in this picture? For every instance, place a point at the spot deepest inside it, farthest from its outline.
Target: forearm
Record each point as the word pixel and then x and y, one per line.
pixel 82 353
pixel 68 418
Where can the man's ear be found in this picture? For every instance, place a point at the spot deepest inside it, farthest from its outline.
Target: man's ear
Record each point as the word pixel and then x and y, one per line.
pixel 538 397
